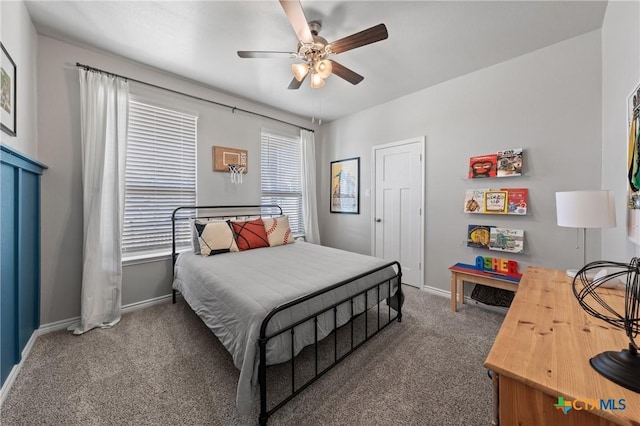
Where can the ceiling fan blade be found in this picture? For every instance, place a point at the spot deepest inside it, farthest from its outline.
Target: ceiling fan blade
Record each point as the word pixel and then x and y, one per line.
pixel 295 84
pixel 265 54
pixel 295 14
pixel 364 37
pixel 344 72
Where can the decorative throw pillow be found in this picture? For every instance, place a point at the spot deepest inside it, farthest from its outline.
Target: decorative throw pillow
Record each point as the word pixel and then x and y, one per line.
pixel 215 238
pixel 250 234
pixel 278 231
pixel 195 244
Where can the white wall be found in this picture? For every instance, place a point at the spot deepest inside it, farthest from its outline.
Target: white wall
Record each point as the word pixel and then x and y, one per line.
pixel 620 75
pixel 20 40
pixel 547 102
pixel 59 146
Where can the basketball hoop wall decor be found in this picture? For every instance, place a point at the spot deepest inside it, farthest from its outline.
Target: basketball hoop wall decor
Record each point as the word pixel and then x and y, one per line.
pixel 230 160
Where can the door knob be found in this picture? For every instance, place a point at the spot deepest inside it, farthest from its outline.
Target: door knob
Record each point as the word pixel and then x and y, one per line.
pixel 378 219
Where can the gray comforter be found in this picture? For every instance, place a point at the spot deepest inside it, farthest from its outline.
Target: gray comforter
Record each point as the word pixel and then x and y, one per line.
pixel 233 293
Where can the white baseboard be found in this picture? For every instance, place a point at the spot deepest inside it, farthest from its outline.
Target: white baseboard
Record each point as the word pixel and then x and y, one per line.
pixel 436 291
pixel 145 303
pixel 57 325
pixel 4 391
pixel 63 325
pixel 467 299
pixel 66 323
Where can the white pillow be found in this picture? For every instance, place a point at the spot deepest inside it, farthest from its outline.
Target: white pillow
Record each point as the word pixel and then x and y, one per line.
pixel 195 243
pixel 278 230
pixel 215 237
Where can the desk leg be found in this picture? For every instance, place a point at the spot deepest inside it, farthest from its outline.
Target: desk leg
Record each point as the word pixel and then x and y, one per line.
pixel 495 421
pixel 460 285
pixel 454 281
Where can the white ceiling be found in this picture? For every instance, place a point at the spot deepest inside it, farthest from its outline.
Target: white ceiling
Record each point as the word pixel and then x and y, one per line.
pixel 429 42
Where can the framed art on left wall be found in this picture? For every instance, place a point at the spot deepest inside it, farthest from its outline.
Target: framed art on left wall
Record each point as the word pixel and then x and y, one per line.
pixel 8 95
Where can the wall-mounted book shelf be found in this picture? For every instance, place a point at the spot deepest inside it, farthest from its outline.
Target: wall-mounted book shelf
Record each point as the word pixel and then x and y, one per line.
pixel 505 163
pixel 512 201
pixel 495 238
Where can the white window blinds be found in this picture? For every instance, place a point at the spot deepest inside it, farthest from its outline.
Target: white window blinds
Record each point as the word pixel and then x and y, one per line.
pixel 281 176
pixel 160 176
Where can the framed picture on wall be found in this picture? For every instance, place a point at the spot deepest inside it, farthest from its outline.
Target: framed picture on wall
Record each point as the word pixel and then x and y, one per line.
pixel 345 186
pixel 8 93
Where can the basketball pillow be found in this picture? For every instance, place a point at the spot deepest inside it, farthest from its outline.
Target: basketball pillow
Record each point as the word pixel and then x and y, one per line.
pixel 250 234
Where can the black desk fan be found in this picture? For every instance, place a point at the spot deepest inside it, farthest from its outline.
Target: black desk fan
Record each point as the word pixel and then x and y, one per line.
pixel 622 368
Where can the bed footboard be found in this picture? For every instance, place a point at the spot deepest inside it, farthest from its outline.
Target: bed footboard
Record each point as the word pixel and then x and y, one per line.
pixel 383 291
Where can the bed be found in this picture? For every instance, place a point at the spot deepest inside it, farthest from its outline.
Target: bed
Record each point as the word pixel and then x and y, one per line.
pixel 267 304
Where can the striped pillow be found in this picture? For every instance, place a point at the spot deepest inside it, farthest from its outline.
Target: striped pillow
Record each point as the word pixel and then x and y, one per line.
pixel 250 234
pixel 278 231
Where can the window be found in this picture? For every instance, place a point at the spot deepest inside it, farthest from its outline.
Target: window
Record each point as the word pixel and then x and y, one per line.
pixel 160 176
pixel 282 176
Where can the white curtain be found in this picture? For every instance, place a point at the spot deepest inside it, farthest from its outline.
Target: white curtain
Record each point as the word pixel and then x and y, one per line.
pixel 104 104
pixel 309 198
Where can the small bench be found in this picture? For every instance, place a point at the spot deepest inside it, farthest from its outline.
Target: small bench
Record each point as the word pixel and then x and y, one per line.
pixel 461 273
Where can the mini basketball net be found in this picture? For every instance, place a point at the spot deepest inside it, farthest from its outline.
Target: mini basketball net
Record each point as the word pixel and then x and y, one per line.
pixel 236 171
pixel 230 160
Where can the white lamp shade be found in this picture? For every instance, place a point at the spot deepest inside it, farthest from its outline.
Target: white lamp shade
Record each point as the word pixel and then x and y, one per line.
pixel 586 209
pixel 300 70
pixel 316 81
pixel 323 68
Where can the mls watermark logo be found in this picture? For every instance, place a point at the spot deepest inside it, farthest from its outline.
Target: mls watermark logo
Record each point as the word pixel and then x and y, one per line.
pixel 590 404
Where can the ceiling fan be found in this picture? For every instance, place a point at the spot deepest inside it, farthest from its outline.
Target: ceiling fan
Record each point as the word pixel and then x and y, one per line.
pixel 314 51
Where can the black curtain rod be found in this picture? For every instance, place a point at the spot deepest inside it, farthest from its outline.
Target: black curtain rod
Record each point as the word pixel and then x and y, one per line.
pixel 232 108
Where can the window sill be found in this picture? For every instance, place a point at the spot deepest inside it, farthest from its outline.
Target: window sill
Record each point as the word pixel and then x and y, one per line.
pixel 149 257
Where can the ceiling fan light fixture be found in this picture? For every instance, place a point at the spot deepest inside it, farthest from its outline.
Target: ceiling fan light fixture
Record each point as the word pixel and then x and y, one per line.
pixel 300 70
pixel 323 68
pixel 316 81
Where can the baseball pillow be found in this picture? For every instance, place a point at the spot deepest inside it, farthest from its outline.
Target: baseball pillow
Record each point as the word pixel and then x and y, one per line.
pixel 278 231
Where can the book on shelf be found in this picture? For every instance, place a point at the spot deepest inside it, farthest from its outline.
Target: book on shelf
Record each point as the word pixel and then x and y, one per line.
pixel 517 200
pixel 478 236
pixel 474 201
pixel 495 201
pixel 509 162
pixel 505 239
pixel 483 166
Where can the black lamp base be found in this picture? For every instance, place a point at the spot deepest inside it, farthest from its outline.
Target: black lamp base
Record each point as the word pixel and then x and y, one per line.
pixel 622 368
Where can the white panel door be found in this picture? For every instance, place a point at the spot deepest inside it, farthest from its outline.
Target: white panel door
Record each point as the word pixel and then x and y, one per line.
pixel 398 227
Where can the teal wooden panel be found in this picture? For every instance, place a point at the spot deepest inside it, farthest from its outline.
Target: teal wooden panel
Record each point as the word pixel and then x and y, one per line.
pixel 9 272
pixel 19 255
pixel 29 257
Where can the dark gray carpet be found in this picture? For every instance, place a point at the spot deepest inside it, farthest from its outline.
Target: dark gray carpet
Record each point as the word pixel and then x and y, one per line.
pixel 162 366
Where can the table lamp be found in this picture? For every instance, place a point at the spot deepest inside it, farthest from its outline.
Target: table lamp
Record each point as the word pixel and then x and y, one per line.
pixel 585 209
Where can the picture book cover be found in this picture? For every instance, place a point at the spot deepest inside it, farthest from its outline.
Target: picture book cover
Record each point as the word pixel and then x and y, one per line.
pixel 517 200
pixel 474 201
pixel 495 201
pixel 478 236
pixel 509 162
pixel 504 239
pixel 482 166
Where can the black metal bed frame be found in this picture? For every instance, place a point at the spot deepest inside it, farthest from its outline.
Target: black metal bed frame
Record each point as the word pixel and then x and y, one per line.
pixel 264 338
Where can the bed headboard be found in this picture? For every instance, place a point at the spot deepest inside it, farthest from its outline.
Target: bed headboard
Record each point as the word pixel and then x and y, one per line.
pixel 183 213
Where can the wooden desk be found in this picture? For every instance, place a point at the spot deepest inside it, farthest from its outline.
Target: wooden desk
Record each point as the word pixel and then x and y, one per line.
pixel 460 274
pixel 542 352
